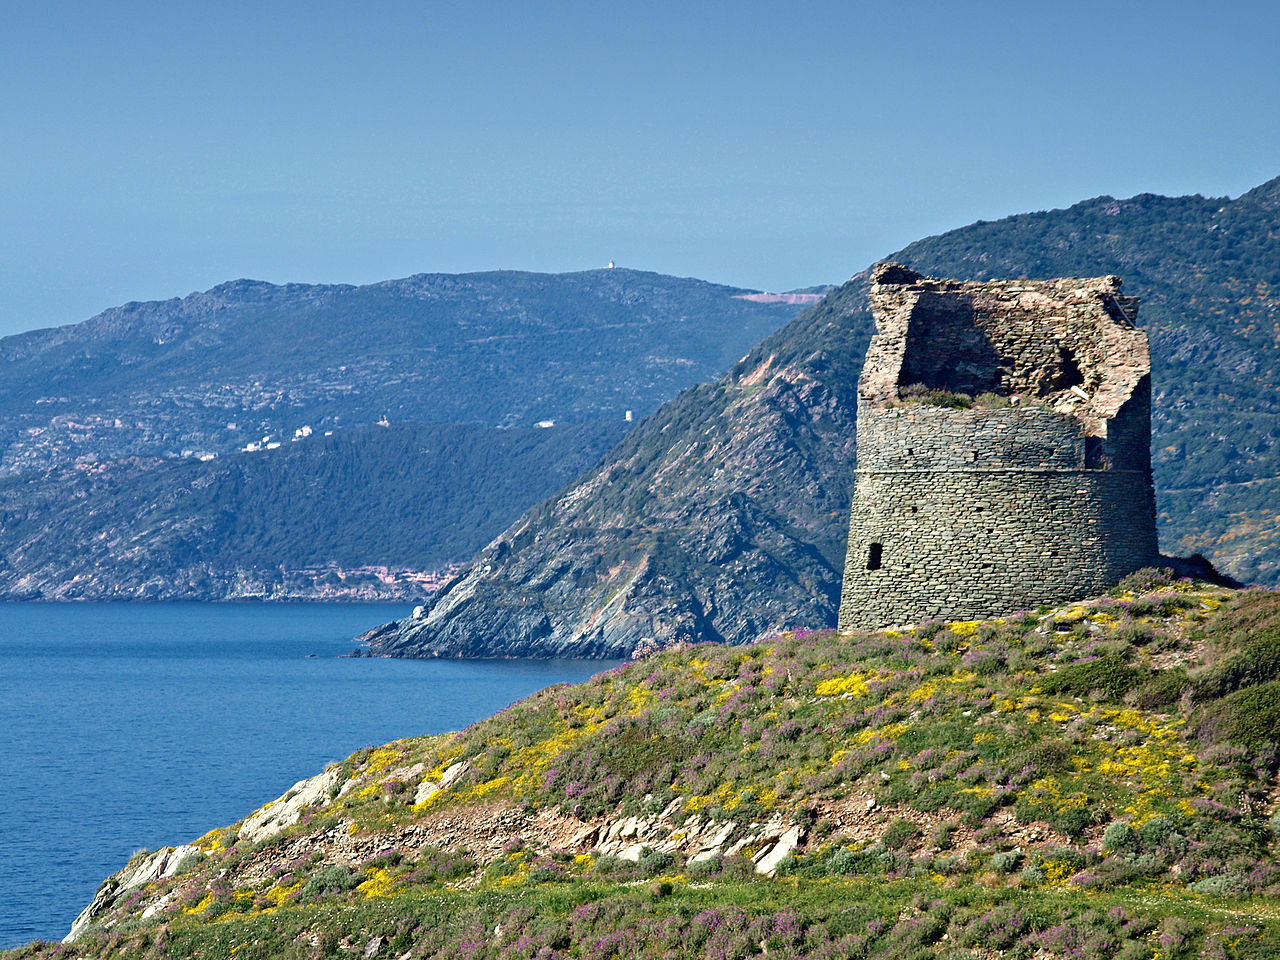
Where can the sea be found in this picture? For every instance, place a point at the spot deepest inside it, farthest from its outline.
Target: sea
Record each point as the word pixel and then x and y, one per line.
pixel 139 725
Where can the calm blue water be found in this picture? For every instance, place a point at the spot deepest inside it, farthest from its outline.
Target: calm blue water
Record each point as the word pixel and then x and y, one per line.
pixel 141 725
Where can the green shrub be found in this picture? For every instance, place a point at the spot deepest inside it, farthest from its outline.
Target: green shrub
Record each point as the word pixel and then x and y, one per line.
pixel 988 399
pixel 1120 836
pixel 1162 691
pixel 606 864
pixel 1005 862
pixel 1072 821
pixel 900 833
pixel 845 862
pixel 333 879
pixel 934 397
pixel 1032 875
pixel 1109 676
pixel 1158 831
pixel 700 869
pixel 1257 662
pixel 949 865
pixel 1046 755
pixel 654 862
pixel 1220 885
pixel 944 836
pixel 1250 717
pixel 187 864
pixel 1146 580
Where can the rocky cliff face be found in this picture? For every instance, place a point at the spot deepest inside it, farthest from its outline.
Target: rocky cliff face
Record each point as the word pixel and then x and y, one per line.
pixel 732 485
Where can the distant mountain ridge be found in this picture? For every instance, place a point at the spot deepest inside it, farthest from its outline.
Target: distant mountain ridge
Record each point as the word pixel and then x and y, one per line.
pixel 724 515
pixel 721 516
pixel 214 371
pixel 123 472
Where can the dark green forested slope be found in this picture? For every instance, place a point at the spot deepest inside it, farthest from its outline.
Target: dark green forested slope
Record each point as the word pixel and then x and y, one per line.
pixel 307 519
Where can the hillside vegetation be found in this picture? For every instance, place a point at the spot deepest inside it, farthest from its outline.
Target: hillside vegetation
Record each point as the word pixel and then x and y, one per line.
pixel 1092 781
pixel 103 425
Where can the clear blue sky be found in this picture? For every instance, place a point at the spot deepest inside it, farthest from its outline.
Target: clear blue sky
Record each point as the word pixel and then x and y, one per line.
pixel 152 149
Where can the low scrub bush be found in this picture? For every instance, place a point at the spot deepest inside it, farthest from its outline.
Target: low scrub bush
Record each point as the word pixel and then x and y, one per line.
pixel 1250 717
pixel 1109 676
pixel 1146 580
pixel 330 880
pixel 900 833
pixel 934 397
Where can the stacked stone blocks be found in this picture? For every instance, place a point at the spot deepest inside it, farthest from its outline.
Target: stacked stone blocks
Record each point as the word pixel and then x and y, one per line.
pixel 1037 488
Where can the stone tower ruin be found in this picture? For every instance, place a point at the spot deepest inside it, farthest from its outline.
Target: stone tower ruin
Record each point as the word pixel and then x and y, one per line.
pixel 1004 452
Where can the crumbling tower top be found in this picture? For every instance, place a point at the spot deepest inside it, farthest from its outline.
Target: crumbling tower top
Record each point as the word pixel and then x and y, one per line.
pixel 1067 344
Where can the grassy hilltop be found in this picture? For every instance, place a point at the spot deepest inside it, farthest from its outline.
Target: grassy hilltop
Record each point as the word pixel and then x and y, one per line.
pixel 1096 780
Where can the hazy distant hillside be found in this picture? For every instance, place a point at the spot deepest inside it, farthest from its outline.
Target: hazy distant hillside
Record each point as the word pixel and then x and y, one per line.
pixel 724 515
pixel 103 425
pixel 317 518
pixel 502 348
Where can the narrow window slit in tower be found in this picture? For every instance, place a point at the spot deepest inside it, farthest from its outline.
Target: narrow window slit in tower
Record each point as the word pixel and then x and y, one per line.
pixel 873 556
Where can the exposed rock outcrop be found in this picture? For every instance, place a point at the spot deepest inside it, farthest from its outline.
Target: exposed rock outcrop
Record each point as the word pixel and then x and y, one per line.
pixel 279 814
pixel 699 837
pixel 140 871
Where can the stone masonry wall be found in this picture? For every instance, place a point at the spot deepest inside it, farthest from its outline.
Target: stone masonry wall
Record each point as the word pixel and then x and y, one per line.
pixel 914 436
pixel 971 544
pixel 995 512
pixel 1039 494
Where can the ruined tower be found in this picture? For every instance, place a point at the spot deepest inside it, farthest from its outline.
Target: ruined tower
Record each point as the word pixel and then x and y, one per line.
pixel 1003 448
